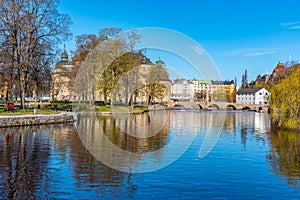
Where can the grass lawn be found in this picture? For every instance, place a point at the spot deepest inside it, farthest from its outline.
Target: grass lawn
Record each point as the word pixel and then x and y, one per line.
pixel 27 112
pixel 141 108
pixel 137 109
pixel 103 109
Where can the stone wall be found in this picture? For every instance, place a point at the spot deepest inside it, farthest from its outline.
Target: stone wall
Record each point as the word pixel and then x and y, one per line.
pixel 29 120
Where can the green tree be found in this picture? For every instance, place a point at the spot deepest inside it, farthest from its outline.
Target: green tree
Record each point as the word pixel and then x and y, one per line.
pixel 157 76
pixel 285 102
pixel 200 96
pixel 218 95
pixel 109 58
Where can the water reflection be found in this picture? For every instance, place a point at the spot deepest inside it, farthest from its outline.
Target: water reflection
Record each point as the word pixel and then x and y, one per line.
pixel 248 124
pixel 21 160
pixel 50 162
pixel 120 142
pixel 284 155
pixel 53 161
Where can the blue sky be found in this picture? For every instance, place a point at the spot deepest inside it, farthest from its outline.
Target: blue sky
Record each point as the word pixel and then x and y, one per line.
pixel 238 35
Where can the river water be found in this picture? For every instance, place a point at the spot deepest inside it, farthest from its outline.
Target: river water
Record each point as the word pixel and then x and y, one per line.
pixel 161 155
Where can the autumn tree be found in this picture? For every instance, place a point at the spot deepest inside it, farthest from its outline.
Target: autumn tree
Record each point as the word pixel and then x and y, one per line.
pixel 123 59
pixel 285 101
pixel 105 64
pixel 131 80
pixel 85 43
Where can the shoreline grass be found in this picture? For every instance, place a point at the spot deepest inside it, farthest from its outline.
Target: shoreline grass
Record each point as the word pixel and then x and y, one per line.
pixel 28 111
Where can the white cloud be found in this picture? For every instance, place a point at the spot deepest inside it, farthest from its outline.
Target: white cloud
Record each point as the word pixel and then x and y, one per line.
pixel 259 53
pixel 291 25
pixel 251 52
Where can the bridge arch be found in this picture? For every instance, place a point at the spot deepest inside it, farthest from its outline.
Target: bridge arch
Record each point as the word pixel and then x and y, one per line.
pixel 214 106
pixel 246 108
pixel 230 107
pixel 178 106
pixel 259 109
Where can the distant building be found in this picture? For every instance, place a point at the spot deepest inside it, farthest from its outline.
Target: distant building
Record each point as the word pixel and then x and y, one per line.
pixel 182 90
pixel 222 91
pixel 279 67
pixel 280 72
pixel 203 90
pixel 61 80
pixel 201 85
pixel 252 96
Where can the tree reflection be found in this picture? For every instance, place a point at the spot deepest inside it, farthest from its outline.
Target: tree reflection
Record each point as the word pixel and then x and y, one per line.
pixel 230 122
pixel 124 141
pixel 284 155
pixel 22 162
pixel 43 161
pixel 120 133
pixel 89 174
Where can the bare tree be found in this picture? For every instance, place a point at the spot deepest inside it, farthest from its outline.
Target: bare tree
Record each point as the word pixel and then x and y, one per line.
pixel 31 31
pixel 290 63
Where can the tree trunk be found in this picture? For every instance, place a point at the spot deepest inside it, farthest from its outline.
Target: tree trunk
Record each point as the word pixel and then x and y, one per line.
pixel 149 100
pixel 6 98
pixel 132 100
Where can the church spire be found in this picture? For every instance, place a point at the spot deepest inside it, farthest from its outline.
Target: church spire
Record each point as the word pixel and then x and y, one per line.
pixel 64 55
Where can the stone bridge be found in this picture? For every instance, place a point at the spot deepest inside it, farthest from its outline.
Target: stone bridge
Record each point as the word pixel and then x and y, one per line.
pixel 218 106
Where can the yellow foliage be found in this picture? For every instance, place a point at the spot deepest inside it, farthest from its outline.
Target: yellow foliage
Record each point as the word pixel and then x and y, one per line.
pixel 285 102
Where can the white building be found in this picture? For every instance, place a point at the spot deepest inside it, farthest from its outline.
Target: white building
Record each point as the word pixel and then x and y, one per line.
pixel 182 90
pixel 201 85
pixel 253 96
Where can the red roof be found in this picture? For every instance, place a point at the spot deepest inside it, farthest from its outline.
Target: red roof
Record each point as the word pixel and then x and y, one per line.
pixel 279 67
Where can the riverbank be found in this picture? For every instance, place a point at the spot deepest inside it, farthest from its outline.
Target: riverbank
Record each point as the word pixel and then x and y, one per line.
pixel 38 119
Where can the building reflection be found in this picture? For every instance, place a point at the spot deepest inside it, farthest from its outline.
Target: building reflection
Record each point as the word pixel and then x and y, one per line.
pixel 252 123
pixel 121 141
pixel 284 155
